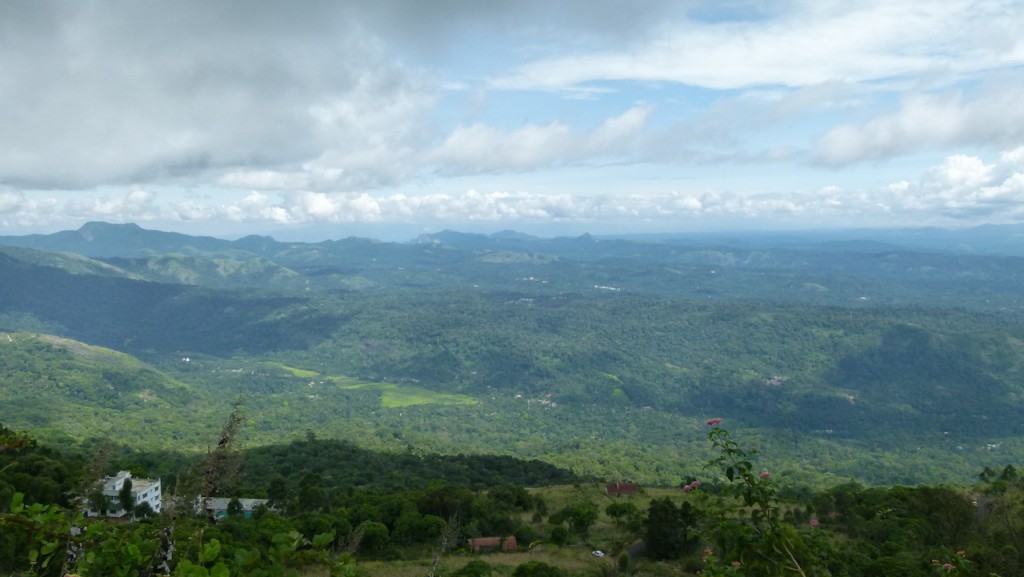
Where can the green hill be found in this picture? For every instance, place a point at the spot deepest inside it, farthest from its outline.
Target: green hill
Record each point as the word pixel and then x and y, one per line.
pixel 65 388
pixel 587 353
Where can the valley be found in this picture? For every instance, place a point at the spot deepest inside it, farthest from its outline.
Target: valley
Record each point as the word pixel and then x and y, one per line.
pixel 453 344
pixel 383 399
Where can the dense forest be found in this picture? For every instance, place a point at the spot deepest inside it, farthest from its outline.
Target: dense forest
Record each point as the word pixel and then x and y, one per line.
pixel 394 400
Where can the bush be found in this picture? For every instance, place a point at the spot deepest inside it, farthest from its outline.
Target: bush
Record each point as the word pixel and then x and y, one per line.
pixel 537 569
pixel 559 535
pixel 475 568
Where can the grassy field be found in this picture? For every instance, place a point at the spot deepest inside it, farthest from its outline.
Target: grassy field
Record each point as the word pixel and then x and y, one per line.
pixel 576 559
pixel 301 373
pixel 395 396
pixel 392 395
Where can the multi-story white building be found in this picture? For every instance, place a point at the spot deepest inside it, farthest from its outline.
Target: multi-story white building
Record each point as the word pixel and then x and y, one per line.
pixel 142 491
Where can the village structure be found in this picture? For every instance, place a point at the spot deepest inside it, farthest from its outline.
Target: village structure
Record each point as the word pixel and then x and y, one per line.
pixel 218 508
pixel 492 544
pixel 619 489
pixel 143 492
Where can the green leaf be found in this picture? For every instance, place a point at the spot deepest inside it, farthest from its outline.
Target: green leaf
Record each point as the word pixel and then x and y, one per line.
pixel 220 570
pixel 210 552
pixel 323 540
pixel 17 503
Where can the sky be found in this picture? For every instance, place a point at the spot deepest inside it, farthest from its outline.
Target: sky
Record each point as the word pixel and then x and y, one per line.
pixel 327 119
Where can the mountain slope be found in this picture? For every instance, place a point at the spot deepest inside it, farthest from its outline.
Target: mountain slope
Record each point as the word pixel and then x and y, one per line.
pixel 139 316
pixel 61 387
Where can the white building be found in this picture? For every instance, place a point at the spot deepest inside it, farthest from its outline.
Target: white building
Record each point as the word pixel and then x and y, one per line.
pixel 143 491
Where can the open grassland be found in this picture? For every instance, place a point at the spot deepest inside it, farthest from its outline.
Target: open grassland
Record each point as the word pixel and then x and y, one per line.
pixel 577 559
pixel 392 395
pixel 396 396
pixel 301 373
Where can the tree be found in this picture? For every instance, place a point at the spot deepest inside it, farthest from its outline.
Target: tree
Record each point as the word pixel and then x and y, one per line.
pixel 124 497
pixel 580 516
pixel 311 496
pixel 277 493
pixel 144 510
pixel 222 463
pixel 625 515
pixel 669 529
pixel 99 502
pixel 373 536
pixel 235 508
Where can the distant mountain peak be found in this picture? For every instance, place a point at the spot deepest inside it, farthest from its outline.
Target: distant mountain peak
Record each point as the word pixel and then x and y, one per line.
pixel 90 230
pixel 103 225
pixel 509 234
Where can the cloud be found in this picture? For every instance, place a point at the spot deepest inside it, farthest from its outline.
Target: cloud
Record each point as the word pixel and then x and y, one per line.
pixel 930 121
pixel 334 111
pixel 961 188
pixel 185 92
pixel 483 148
pixel 20 210
pixel 802 44
pixel 966 188
pixel 135 205
pixel 11 202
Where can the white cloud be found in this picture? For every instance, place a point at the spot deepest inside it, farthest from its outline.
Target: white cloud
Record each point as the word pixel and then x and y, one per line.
pixel 18 209
pixel 136 204
pixel 11 202
pixel 965 187
pixel 962 189
pixel 803 44
pixel 959 172
pixel 483 148
pixel 932 121
pixel 479 147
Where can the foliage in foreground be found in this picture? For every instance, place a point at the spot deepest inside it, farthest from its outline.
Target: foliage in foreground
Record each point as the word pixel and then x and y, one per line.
pixel 737 521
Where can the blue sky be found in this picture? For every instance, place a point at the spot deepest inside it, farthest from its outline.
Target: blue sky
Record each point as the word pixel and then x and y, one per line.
pixel 390 118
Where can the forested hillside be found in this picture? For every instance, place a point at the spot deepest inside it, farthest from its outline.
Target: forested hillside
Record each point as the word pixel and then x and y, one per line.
pixel 851 360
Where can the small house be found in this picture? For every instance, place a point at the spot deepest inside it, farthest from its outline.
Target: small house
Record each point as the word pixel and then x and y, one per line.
pixel 617 489
pixel 217 507
pixel 492 544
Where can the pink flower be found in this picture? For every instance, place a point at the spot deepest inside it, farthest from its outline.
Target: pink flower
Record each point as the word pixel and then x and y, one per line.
pixel 687 488
pixel 948 567
pixel 765 474
pixel 695 484
pixel 814 522
pixel 713 422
